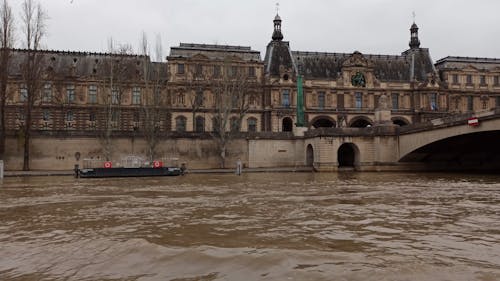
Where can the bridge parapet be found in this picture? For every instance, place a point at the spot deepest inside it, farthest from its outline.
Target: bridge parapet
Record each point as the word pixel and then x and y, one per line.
pixel 354 132
pixel 450 121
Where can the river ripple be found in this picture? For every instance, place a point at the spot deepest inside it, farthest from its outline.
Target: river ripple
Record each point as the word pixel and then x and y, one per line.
pixel 269 226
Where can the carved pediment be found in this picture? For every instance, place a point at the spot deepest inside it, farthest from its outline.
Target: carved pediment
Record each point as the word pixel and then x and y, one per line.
pixel 357 60
pixel 233 58
pixel 199 56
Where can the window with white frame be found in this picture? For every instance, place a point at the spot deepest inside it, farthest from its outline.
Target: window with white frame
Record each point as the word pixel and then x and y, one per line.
pixel 70 93
pixel 92 94
pixel 23 93
pixel 47 93
pixel 136 95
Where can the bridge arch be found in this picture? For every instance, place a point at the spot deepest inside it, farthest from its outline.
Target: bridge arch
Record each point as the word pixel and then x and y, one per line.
pixel 455 143
pixel 360 122
pixel 348 155
pixel 323 122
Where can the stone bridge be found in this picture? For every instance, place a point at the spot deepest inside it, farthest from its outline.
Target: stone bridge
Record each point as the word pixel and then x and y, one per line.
pixel 441 144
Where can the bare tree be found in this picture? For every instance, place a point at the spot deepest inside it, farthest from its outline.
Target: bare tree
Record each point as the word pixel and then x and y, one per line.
pixel 195 85
pixel 6 43
pixel 33 19
pixel 154 83
pixel 116 71
pixel 231 103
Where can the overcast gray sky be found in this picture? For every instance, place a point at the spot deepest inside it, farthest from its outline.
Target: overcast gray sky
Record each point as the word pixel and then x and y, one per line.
pixel 447 27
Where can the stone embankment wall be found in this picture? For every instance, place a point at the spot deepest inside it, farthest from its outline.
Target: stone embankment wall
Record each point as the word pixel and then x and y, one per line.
pixel 56 153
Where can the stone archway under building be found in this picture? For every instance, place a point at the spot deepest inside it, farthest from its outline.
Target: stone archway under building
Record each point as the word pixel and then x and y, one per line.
pixel 323 122
pixel 348 155
pixel 309 156
pixel 360 122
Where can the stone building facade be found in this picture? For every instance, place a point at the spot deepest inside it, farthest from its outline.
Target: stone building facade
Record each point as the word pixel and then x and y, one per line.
pixel 84 94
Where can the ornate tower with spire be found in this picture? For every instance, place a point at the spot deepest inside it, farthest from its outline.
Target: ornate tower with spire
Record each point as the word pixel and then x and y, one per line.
pixel 414 42
pixel 277 35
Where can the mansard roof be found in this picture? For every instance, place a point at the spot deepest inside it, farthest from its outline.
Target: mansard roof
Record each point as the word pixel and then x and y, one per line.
pixel 463 62
pixel 85 64
pixel 216 52
pixel 65 64
pixel 279 58
pixel 318 65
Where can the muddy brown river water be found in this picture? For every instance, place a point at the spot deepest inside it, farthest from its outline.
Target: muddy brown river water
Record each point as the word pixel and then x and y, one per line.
pixel 265 226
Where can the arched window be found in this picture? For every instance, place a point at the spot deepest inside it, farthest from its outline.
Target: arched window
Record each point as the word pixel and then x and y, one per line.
pixel 180 124
pixel 200 124
pixel 252 124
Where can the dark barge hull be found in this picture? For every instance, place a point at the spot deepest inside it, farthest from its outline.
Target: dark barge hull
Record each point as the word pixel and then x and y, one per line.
pixel 128 172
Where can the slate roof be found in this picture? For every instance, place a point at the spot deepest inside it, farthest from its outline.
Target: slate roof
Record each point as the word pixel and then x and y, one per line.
pixel 85 64
pixel 217 52
pixel 278 54
pixel 462 62
pixel 315 65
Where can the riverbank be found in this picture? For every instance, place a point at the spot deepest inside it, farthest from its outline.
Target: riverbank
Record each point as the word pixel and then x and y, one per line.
pixel 194 171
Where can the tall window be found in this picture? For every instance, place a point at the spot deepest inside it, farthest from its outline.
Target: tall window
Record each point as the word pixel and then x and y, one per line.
pixel 70 93
pixel 233 70
pixel 433 101
pixel 136 95
pixel 498 101
pixel 215 125
pixel 115 96
pixel 285 98
pixel 454 78
pixel 485 103
pixel 358 100
pixel 216 70
pixel 469 79
pixel 23 93
pixel 252 124
pixel 496 80
pixel 198 70
pixel 235 124
pixel 395 101
pixel 180 99
pixel 136 116
pixel 180 124
pixel 321 100
pixel 47 93
pixel 470 103
pixel 251 71
pixel 180 68
pixel 482 80
pixel 92 94
pixel 199 98
pixel 69 116
pixel 200 124
pixel 115 116
pixel 92 117
pixel 46 115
